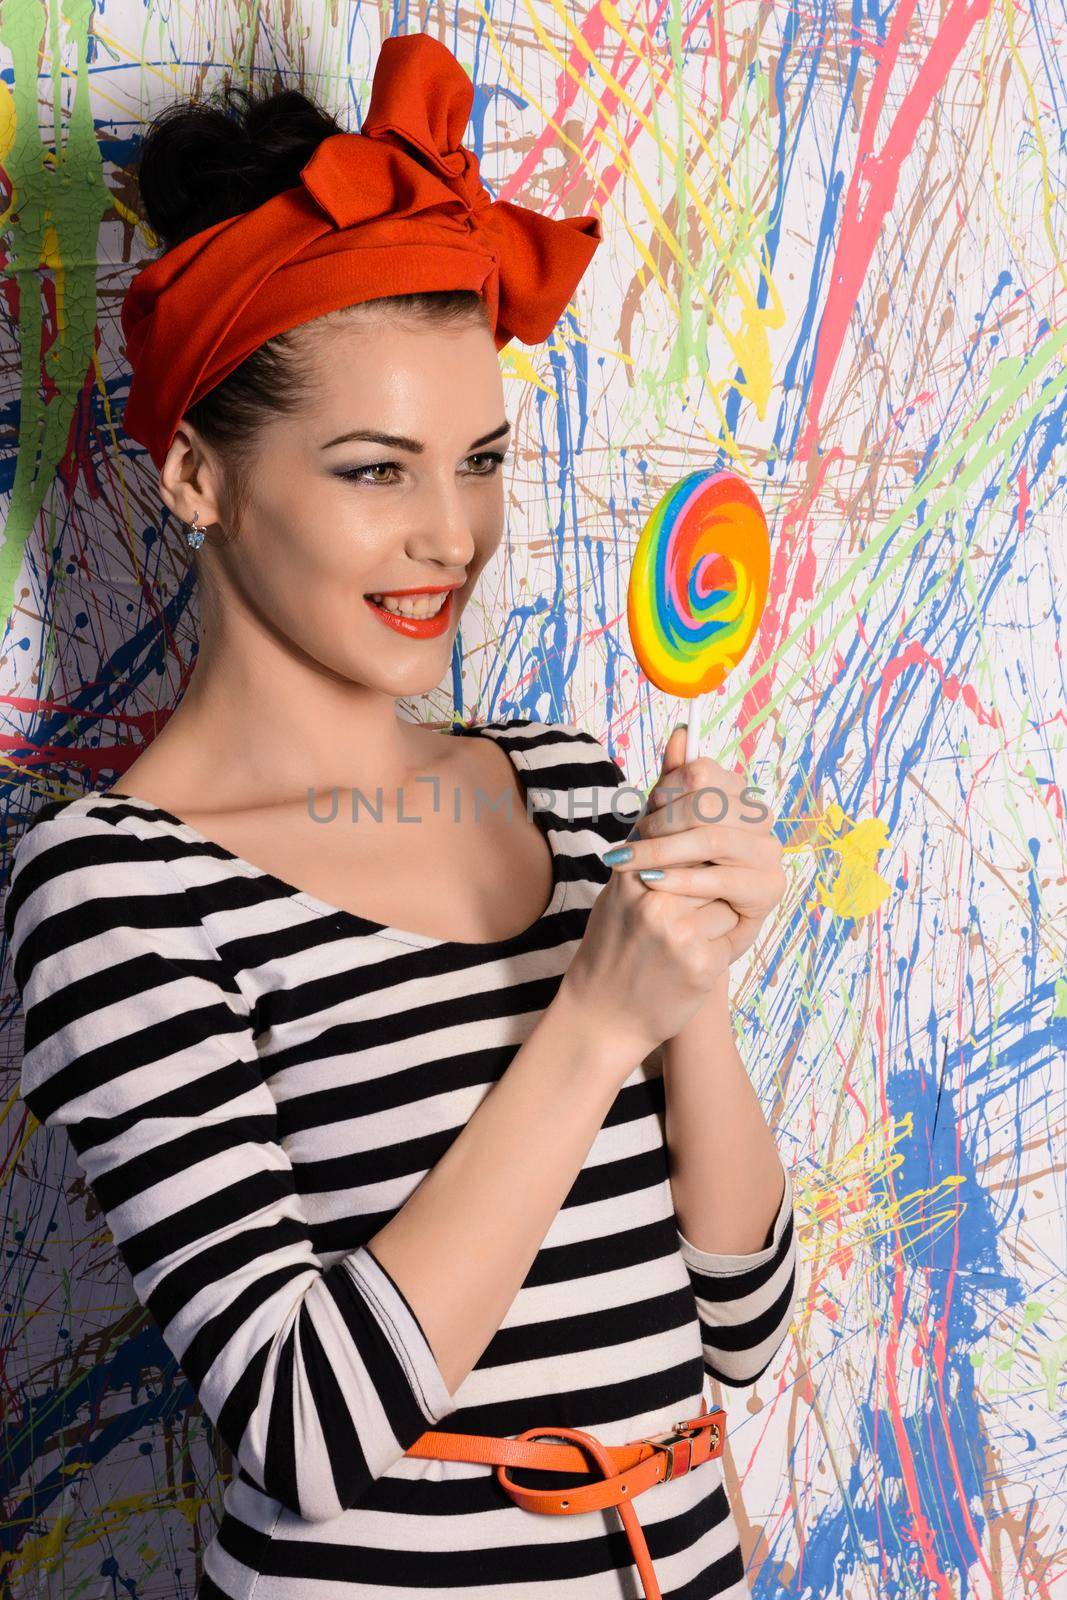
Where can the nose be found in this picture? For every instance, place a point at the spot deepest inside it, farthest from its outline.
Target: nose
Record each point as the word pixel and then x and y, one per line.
pixel 444 531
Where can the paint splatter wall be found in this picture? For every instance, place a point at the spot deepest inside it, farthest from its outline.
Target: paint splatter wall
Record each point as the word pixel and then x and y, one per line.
pixel 833 259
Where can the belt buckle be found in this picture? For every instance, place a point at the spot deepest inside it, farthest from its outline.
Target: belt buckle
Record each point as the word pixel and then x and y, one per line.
pixel 675 1436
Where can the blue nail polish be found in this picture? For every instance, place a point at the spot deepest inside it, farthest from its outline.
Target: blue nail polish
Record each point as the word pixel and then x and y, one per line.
pixel 621 852
pixel 650 875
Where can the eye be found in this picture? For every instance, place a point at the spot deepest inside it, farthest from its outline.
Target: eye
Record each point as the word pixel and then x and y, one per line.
pixel 495 458
pixel 356 474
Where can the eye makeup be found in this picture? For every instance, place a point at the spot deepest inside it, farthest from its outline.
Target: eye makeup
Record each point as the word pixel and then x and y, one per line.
pixel 355 474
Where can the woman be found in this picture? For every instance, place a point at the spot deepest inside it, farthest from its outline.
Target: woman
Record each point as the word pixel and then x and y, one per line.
pixel 375 1111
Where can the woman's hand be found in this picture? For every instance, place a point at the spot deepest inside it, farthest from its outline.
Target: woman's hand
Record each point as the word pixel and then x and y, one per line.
pixel 645 965
pixel 712 845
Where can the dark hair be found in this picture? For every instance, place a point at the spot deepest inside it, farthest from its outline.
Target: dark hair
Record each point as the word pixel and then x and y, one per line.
pixel 203 161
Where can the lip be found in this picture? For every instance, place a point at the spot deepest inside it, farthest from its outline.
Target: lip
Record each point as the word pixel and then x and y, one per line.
pixel 400 594
pixel 416 627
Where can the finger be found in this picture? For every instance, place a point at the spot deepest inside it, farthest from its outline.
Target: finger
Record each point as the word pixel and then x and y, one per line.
pixel 715 919
pixel 673 751
pixel 726 936
pixel 697 847
pixel 745 888
pixel 700 773
pixel 702 805
pixel 738 844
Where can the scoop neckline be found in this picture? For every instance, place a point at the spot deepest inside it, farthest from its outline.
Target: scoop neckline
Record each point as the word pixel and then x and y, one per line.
pixel 367 926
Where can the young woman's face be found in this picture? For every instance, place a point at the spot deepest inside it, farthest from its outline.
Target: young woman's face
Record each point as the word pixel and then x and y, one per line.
pixel 332 518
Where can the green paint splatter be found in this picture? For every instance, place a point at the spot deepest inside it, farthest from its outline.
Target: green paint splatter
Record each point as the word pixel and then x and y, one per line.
pixel 53 224
pixel 1059 1007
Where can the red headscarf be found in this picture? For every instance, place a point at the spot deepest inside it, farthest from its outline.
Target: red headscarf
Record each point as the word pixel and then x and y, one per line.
pixel 397 208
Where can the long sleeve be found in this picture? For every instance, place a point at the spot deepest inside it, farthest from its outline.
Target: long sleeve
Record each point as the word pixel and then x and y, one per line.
pixel 745 1302
pixel 139 1043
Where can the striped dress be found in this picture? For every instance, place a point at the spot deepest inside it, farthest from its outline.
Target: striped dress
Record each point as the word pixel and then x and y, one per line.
pixel 254 1082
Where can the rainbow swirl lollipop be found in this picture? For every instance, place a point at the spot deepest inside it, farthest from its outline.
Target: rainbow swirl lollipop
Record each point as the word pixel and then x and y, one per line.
pixel 698 586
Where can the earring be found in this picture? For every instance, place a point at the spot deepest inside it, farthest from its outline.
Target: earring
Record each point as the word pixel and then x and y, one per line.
pixel 195 536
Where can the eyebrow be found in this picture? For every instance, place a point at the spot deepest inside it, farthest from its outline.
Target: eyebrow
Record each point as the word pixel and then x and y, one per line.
pixel 398 441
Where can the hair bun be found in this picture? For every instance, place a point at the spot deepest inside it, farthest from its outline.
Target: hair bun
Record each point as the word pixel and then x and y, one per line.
pixel 204 160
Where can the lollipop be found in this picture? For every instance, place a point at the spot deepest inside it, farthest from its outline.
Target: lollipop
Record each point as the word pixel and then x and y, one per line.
pixel 698 586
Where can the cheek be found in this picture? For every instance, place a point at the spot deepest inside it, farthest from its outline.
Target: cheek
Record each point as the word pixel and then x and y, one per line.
pixel 487 529
pixel 307 563
pixel 330 542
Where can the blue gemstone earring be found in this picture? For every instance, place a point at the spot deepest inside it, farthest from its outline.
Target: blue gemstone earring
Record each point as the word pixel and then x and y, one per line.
pixel 195 536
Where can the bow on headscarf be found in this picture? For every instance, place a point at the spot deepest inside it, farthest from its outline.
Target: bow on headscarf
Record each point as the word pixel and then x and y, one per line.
pixel 397 208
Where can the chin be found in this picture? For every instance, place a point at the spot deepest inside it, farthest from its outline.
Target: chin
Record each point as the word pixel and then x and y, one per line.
pixel 406 682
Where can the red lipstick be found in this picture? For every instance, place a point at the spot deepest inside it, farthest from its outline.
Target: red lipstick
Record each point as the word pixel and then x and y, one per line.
pixel 415 627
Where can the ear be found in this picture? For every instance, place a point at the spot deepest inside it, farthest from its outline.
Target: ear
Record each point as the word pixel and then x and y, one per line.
pixel 189 478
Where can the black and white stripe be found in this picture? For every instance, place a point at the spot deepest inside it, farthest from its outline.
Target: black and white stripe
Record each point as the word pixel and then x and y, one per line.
pixel 253 1083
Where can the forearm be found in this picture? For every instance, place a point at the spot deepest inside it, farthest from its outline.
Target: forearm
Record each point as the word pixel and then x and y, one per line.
pixel 727 1178
pixel 461 1246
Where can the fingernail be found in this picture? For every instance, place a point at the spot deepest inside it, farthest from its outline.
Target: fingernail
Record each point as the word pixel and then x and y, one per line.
pixel 613 858
pixel 650 874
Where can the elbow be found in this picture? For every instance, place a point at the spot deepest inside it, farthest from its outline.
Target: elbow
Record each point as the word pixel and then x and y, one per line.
pixel 738 1355
pixel 308 1505
pixel 324 1466
pixel 314 1487
pixel 314 1507
pixel 336 1401
pixel 736 1373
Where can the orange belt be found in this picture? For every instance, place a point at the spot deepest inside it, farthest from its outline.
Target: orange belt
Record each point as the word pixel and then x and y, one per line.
pixel 628 1469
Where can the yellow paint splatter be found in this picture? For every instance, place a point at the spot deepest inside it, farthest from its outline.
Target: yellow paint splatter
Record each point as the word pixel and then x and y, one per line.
pixel 857 888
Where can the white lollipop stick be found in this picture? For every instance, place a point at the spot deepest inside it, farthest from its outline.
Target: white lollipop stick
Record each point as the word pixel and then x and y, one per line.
pixel 692 735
